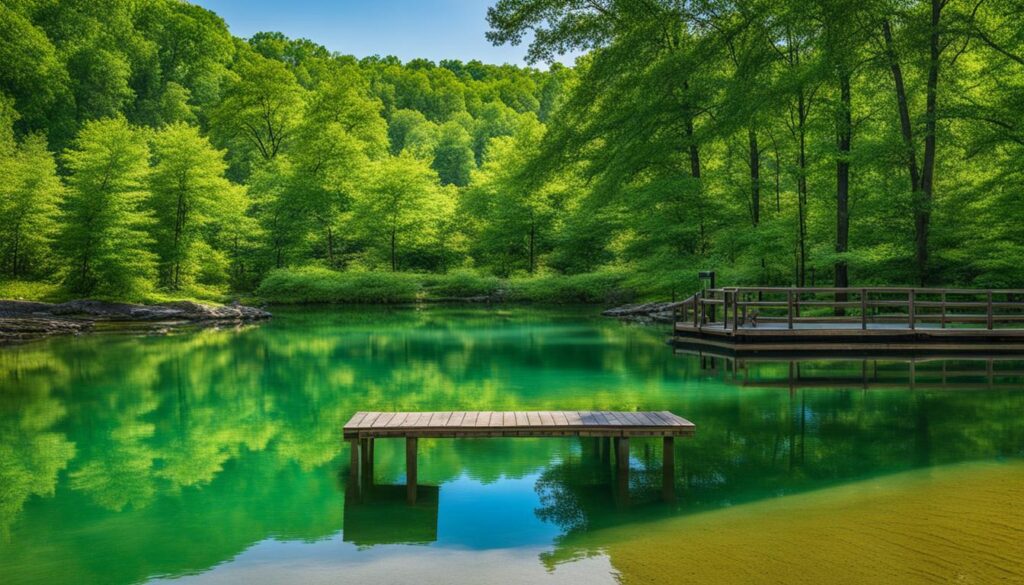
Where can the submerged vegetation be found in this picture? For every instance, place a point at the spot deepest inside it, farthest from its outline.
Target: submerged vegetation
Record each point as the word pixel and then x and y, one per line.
pixel 145 151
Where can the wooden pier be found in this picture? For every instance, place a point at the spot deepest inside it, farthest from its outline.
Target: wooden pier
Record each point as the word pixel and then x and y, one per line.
pixel 772 319
pixel 364 427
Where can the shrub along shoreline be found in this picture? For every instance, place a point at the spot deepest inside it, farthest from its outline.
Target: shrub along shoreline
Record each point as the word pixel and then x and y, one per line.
pixel 312 285
pixel 318 285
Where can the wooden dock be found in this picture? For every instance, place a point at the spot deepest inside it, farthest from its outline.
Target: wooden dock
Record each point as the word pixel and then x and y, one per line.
pixel 617 427
pixel 751 320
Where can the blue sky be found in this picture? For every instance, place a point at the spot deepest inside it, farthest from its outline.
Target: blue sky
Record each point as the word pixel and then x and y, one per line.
pixel 434 29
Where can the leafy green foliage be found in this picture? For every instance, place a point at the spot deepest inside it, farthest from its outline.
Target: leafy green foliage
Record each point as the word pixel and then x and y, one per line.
pixel 29 194
pixel 320 285
pixel 190 197
pixel 105 238
pixel 779 143
pixel 462 283
pixel 608 287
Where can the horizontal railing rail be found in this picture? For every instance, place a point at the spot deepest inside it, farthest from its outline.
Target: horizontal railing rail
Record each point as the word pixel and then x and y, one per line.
pixel 733 308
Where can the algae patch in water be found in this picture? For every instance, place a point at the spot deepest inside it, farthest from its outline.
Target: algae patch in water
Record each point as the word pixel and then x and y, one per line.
pixel 955 524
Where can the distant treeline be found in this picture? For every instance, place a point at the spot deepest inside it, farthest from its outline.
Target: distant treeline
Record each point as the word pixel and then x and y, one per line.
pixel 144 148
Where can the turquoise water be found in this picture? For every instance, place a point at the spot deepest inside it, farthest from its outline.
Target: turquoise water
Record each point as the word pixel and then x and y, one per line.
pixel 215 456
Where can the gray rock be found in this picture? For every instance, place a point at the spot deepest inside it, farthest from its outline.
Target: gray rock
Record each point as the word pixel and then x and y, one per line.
pixel 657 312
pixel 22 320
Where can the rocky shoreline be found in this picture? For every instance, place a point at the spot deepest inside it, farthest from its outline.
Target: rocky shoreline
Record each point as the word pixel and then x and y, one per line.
pixel 658 312
pixel 27 320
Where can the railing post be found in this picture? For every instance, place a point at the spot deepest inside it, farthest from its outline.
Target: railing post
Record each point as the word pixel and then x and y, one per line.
pixel 698 306
pixel 911 297
pixel 863 308
pixel 989 311
pixel 725 309
pixel 789 307
pixel 943 318
pixel 735 311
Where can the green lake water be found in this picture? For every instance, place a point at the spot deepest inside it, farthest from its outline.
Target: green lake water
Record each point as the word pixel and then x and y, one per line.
pixel 215 456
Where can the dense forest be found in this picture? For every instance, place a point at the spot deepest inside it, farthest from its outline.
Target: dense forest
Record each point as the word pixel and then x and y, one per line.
pixel 144 149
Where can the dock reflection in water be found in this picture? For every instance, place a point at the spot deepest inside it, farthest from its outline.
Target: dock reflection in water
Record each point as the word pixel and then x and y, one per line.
pixel 380 514
pixel 925 372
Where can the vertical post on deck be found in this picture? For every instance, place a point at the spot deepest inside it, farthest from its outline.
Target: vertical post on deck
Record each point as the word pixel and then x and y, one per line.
pixel 622 469
pixel 789 308
pixel 911 309
pixel 988 313
pixel 943 326
pixel 735 311
pixel 697 307
pixel 410 469
pixel 668 468
pixel 725 310
pixel 863 308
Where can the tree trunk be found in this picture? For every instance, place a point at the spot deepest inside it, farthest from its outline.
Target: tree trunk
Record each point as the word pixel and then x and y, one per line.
pixel 695 173
pixel 394 255
pixel 330 247
pixel 179 226
pixel 533 235
pixel 755 177
pixel 920 199
pixel 801 186
pixel 844 140
pixel 16 251
pixel 923 204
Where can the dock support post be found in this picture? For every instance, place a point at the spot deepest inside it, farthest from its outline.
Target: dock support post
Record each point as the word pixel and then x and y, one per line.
pixel 354 461
pixel 366 451
pixel 668 468
pixel 622 469
pixel 410 469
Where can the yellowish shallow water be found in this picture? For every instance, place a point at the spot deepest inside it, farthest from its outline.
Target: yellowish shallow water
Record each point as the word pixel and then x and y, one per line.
pixel 961 524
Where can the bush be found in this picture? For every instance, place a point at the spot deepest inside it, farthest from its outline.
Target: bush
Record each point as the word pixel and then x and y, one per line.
pixel 462 284
pixel 21 290
pixel 320 285
pixel 608 287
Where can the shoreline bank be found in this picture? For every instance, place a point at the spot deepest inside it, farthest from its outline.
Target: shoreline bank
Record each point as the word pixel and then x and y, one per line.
pixel 22 321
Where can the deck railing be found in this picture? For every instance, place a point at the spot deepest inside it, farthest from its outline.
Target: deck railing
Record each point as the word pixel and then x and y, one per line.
pixel 732 308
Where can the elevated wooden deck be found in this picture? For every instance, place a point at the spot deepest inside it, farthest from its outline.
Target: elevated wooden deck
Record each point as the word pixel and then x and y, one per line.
pixel 364 427
pixel 768 319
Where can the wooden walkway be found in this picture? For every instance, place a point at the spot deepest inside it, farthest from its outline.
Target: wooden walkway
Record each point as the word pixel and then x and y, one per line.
pixel 618 427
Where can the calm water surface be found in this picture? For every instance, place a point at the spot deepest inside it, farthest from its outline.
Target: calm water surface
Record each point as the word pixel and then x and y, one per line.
pixel 215 456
